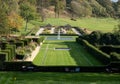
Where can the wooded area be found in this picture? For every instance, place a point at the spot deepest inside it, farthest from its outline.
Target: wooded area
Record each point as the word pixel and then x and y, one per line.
pixel 14 12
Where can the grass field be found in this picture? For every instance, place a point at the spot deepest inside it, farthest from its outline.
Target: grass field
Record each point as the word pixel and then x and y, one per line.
pixel 102 24
pixel 58 78
pixel 76 56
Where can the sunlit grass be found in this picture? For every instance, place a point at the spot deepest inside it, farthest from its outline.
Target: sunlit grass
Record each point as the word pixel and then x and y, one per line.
pixel 58 78
pixel 76 56
pixel 102 24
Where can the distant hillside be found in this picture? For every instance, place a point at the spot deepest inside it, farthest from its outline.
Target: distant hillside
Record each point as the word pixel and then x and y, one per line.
pixel 81 8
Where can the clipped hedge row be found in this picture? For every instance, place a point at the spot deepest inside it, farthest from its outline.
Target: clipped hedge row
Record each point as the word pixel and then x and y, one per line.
pixel 110 48
pixel 98 54
pixel 57 34
pixel 79 30
pixel 12 48
pixel 115 57
pixel 3 56
pixel 8 52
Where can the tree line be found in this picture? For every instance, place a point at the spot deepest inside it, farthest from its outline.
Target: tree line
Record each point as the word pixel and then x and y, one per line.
pixel 14 12
pixel 99 38
pixel 84 8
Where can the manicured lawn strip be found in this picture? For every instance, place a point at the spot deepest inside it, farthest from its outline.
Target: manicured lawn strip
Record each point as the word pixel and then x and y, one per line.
pixel 78 51
pixel 102 24
pixel 58 78
pixel 77 56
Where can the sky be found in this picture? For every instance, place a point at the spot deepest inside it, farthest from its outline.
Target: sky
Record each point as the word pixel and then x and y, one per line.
pixel 114 0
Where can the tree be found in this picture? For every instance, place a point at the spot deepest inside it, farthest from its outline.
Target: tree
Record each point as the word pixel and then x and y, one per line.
pixel 108 5
pixel 94 37
pixel 59 7
pixel 81 8
pixel 40 7
pixel 117 34
pixel 11 5
pixel 15 21
pixel 3 19
pixel 28 12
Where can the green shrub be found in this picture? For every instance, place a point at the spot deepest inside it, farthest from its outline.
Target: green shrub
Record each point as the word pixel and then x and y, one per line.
pixel 19 44
pixel 20 51
pixel 28 49
pixel 33 45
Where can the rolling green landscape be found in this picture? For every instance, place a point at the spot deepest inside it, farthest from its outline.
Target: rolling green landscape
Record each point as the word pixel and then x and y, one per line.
pixel 76 56
pixel 92 24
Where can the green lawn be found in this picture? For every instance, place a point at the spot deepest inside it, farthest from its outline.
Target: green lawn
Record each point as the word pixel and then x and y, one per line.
pixel 76 56
pixel 102 24
pixel 58 78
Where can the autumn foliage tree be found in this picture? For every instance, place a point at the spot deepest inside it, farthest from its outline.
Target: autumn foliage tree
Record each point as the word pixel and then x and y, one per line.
pixel 15 21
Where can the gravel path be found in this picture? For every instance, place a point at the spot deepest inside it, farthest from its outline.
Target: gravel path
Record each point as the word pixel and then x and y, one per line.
pixel 52 30
pixel 33 54
pixel 40 31
pixel 74 30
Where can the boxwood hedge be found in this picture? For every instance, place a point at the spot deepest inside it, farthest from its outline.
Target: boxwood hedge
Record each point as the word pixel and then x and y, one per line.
pixel 3 56
pixel 98 54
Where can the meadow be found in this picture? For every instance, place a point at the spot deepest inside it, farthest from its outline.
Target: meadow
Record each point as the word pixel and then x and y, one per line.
pixel 76 56
pixel 58 78
pixel 101 24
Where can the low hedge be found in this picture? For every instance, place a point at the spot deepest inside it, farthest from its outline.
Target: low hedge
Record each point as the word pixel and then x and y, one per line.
pixel 3 56
pixel 57 34
pixel 98 54
pixel 115 56
pixel 16 66
pixel 8 56
pixel 110 48
pixel 12 48
pixel 79 30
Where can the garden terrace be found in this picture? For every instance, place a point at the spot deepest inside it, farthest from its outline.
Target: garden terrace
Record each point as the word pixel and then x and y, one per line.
pixel 64 52
pixel 18 48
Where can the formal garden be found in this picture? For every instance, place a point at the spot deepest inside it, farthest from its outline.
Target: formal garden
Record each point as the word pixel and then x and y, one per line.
pixel 59 41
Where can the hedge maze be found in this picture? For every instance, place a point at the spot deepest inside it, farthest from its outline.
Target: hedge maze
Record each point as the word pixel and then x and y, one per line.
pixel 14 49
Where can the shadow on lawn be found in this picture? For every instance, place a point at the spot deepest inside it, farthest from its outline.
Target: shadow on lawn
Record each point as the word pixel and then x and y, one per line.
pixel 77 50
